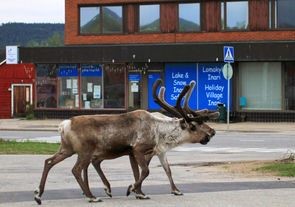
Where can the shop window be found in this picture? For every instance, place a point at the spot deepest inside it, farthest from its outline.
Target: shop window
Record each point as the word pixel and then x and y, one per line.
pixel 282 13
pixel 46 86
pixel 114 86
pixel 91 84
pixel 68 86
pixel 234 15
pixel 260 86
pixel 149 18
pixel 98 20
pixel 189 17
pixel 290 86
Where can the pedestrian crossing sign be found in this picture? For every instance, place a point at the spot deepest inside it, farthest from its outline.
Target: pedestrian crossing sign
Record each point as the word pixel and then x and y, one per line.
pixel 228 54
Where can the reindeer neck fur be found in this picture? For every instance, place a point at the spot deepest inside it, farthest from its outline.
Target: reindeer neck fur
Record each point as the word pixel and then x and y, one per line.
pixel 170 133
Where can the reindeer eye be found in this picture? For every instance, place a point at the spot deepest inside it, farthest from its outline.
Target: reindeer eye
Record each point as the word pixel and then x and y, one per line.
pixel 193 127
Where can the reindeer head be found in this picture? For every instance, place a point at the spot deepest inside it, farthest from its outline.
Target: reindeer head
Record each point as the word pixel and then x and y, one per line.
pixel 192 122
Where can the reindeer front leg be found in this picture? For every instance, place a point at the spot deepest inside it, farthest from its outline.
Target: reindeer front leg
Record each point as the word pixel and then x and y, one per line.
pixel 143 161
pixel 96 163
pixel 163 159
pixel 82 164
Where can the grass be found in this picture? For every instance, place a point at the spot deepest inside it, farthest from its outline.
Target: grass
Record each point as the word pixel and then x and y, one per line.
pixel 27 147
pixel 286 169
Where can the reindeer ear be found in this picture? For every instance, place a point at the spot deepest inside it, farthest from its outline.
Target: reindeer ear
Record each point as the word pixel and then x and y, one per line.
pixel 214 115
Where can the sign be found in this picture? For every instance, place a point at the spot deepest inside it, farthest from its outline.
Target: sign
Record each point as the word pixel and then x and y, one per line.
pixel 11 54
pixel 176 77
pixel 91 71
pixel 152 77
pixel 212 86
pixel 228 54
pixel 227 71
pixel 68 70
pixel 134 77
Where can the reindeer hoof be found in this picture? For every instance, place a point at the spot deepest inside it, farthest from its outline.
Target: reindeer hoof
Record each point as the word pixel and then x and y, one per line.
pixel 108 192
pixel 38 199
pixel 130 188
pixel 142 197
pixel 94 200
pixel 177 193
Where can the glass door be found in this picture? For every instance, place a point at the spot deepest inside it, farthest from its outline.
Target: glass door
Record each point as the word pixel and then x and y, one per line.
pixel 134 87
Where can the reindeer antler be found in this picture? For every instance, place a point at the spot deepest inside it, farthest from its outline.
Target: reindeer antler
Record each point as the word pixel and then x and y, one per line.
pixel 160 100
pixel 204 114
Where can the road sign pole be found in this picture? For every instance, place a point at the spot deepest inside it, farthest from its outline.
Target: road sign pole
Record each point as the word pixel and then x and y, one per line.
pixel 228 91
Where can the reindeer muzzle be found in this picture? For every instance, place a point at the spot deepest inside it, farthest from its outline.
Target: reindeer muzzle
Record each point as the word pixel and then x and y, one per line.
pixel 207 138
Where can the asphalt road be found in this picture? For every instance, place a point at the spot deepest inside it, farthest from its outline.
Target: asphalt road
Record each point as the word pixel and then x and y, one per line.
pixel 202 186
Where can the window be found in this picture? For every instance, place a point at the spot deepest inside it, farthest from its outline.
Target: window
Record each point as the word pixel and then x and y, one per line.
pixel 89 20
pixel 68 86
pixel 112 19
pixel 149 18
pixel 189 17
pixel 114 86
pixel 234 15
pixel 91 86
pixel 282 13
pixel 97 20
pixel 46 86
pixel 261 85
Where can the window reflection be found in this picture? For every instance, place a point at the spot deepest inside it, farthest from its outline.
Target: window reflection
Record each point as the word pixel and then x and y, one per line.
pixel 46 86
pixel 149 18
pixel 89 20
pixel 234 15
pixel 189 17
pixel 112 19
pixel 97 20
pixel 286 13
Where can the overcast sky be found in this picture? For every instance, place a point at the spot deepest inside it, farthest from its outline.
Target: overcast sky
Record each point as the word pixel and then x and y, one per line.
pixel 32 11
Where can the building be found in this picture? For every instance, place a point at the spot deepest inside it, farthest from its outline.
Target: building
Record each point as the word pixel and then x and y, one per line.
pixel 116 49
pixel 16 89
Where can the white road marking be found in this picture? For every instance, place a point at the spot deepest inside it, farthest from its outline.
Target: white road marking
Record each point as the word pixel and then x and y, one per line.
pixel 232 149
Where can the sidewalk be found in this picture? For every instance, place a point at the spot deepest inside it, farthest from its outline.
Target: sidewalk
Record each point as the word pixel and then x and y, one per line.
pixel 52 124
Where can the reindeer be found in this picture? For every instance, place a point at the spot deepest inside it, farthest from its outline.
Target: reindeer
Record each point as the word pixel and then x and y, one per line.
pixel 203 114
pixel 139 133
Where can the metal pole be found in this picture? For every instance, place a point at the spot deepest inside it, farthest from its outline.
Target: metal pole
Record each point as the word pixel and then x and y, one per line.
pixel 228 91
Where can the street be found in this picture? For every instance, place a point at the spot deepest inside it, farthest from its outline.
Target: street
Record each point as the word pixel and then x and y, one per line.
pixel 243 145
pixel 199 182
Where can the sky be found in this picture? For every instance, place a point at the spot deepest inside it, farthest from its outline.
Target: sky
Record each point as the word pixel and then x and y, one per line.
pixel 32 11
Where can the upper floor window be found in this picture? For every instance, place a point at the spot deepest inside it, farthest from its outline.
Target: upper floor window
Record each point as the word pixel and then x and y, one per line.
pixel 234 15
pixel 189 17
pixel 97 20
pixel 149 18
pixel 282 13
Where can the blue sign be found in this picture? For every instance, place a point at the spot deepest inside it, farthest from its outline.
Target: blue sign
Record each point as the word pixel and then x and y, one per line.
pixel 228 54
pixel 212 86
pixel 91 70
pixel 136 77
pixel 176 77
pixel 152 77
pixel 68 70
